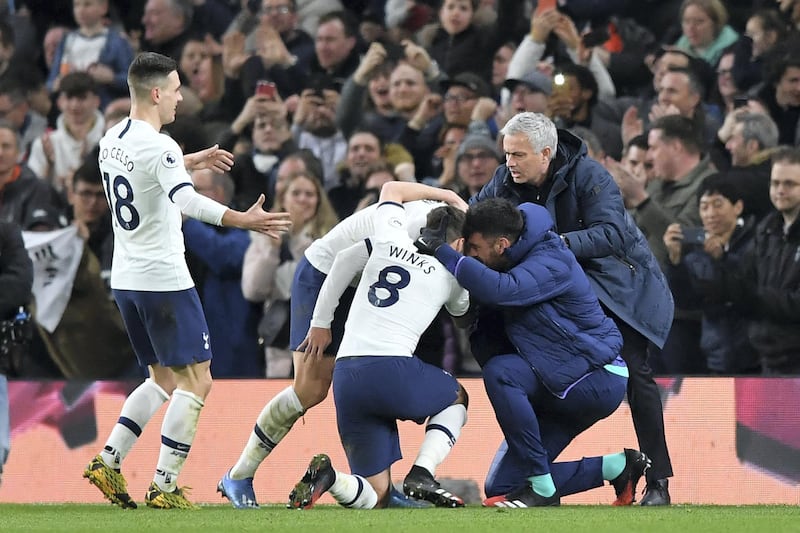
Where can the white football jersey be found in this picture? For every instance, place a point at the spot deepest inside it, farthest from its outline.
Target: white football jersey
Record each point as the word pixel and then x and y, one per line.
pixel 358 227
pixel 141 169
pixel 400 292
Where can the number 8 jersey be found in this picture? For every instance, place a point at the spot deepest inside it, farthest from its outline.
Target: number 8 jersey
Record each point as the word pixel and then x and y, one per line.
pixel 141 170
pixel 400 292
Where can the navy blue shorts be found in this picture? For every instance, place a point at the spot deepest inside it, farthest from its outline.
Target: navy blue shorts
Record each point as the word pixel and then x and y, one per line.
pixel 372 393
pixel 168 328
pixel 306 285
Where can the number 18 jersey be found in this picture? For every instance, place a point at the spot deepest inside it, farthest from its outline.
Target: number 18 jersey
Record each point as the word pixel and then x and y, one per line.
pixel 141 170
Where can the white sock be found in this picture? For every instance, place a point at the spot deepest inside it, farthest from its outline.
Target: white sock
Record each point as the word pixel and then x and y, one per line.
pixel 177 434
pixel 138 409
pixel 274 422
pixel 353 491
pixel 441 433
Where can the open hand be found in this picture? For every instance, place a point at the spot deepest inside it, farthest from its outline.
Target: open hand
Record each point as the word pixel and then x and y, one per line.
pixel 213 157
pixel 315 343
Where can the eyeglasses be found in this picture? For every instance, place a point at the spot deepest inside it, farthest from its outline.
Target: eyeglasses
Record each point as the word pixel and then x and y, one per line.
pixel 277 10
pixel 724 72
pixel 458 98
pixel 480 156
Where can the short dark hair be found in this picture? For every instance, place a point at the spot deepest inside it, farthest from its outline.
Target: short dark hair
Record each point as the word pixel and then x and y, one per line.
pixel 455 223
pixel 584 77
pixel 366 131
pixel 6 125
pixel 719 184
pixel 14 90
pixel 696 84
pixel 77 84
pixel 779 62
pixel 640 141
pixel 679 128
pixel 312 162
pixel 88 172
pixel 493 218
pixel 786 154
pixel 148 70
pixel 348 20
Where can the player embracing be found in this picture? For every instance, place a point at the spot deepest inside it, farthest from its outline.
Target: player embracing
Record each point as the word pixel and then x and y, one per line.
pixel 376 379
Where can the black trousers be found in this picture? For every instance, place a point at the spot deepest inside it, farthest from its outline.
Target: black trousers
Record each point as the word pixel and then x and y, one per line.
pixel 644 399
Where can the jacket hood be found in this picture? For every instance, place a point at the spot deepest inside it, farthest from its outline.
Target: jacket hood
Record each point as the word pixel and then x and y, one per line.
pixel 570 149
pixel 536 231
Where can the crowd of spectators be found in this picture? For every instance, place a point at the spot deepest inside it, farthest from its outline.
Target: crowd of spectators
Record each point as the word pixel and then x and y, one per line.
pixel 323 101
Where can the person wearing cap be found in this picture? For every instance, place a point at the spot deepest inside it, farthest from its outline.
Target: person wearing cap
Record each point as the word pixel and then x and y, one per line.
pixel 461 93
pixel 529 92
pixel 476 159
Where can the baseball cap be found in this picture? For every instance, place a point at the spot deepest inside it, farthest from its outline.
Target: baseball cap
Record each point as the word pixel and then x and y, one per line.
pixel 474 141
pixel 471 81
pixel 45 219
pixel 534 80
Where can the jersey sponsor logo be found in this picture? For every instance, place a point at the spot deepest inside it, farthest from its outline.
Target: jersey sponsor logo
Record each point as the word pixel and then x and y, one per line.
pixel 170 159
pixel 417 260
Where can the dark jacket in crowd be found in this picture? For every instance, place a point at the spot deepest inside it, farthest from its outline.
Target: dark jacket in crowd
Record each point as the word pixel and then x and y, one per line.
pixel 16 271
pixel 587 207
pixel 26 194
pixel 551 314
pixel 768 287
pixel 724 339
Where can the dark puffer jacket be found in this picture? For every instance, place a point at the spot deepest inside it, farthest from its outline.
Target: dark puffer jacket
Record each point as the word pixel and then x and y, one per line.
pixel 552 316
pixel 587 208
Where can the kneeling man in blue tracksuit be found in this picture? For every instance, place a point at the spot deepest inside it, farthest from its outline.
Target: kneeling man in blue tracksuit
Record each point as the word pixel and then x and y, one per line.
pixel 561 372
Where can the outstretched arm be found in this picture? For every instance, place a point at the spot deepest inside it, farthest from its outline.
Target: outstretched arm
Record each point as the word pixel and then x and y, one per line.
pixel 403 191
pixel 213 157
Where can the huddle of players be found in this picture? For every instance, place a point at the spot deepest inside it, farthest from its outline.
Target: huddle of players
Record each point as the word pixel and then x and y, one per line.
pixel 414 256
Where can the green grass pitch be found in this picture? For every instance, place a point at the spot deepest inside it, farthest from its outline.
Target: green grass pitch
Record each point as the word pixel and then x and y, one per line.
pixel 329 519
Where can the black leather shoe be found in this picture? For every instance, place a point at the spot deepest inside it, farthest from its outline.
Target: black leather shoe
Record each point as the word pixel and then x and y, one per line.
pixel 656 493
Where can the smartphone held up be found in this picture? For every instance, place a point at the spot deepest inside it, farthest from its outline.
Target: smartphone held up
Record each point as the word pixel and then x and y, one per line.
pixel 265 88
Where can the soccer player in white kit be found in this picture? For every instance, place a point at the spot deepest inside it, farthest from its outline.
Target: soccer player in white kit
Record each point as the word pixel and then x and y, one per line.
pixel 376 379
pixel 149 189
pixel 312 375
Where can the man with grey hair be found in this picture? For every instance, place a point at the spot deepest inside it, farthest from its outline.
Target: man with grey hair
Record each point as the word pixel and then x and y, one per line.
pixel 750 144
pixel 166 26
pixel 550 167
